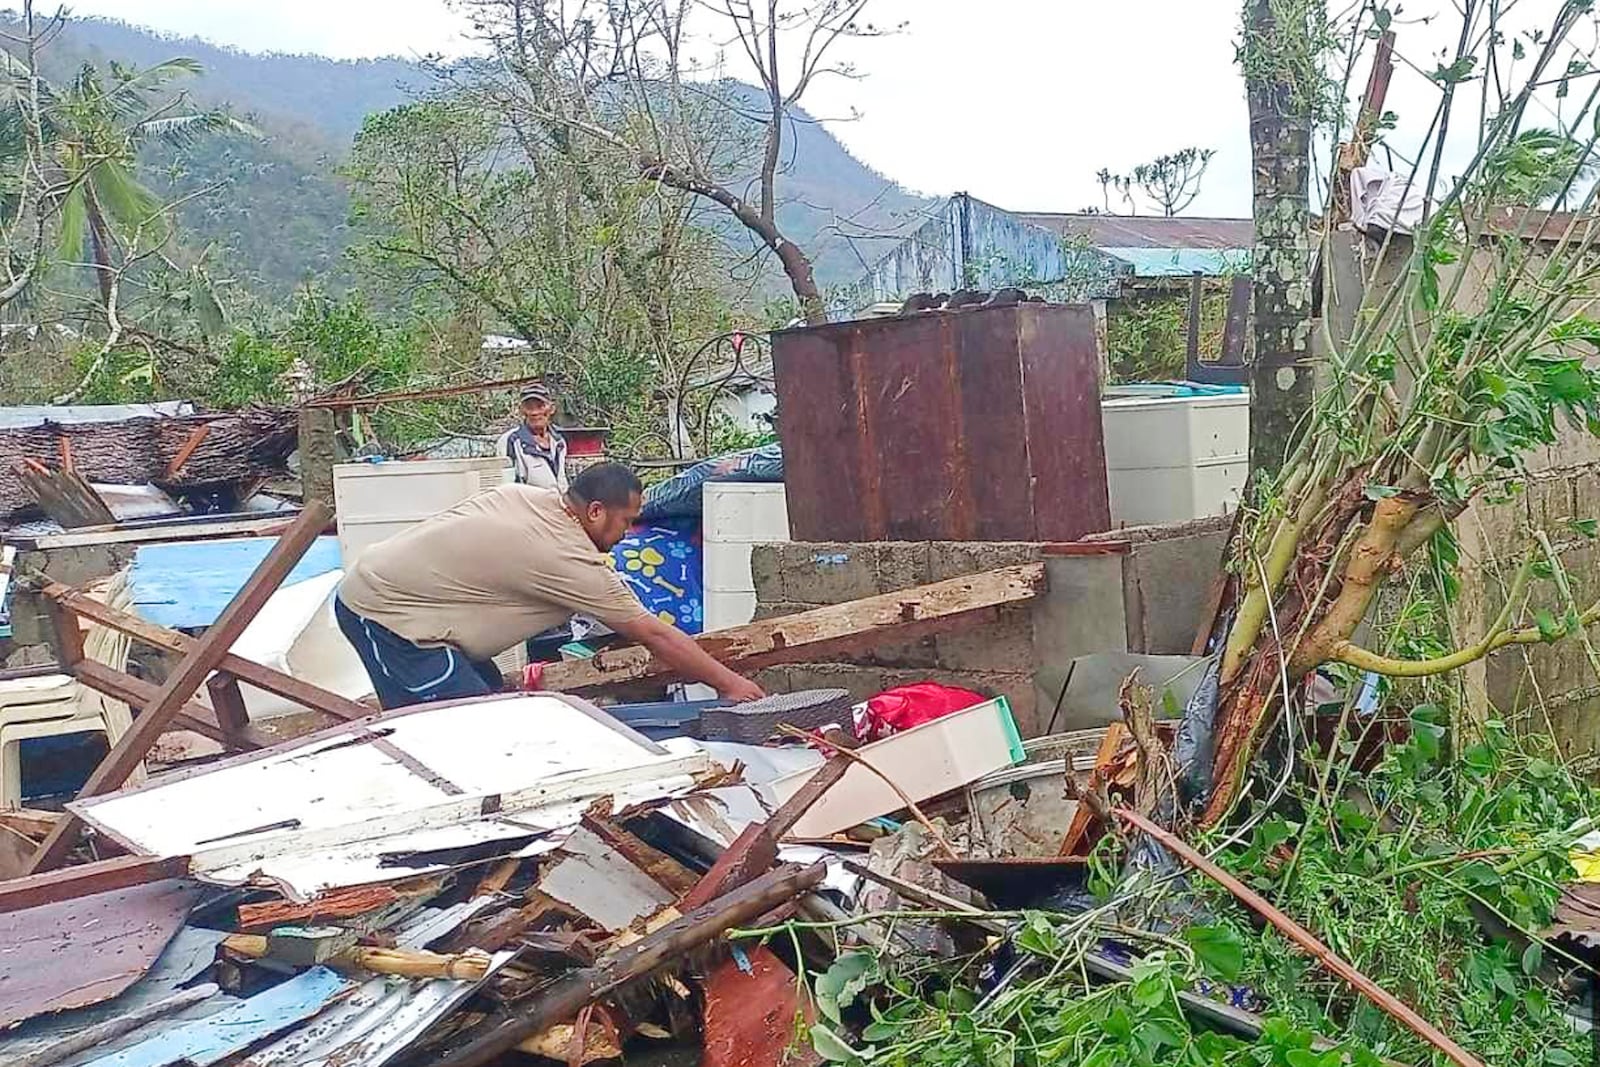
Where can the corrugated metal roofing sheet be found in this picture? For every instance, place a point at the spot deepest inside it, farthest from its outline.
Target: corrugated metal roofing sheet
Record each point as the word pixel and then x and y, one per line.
pixel 236 1027
pixel 25 415
pixel 191 951
pixel 1182 262
pixel 1146 231
pixel 334 810
pixel 80 952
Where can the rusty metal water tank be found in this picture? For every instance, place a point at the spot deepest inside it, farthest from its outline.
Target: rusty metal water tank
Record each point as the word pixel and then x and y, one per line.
pixel 974 424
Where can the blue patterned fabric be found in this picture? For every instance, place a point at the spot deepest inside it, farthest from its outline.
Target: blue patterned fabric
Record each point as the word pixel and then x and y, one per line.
pixel 662 564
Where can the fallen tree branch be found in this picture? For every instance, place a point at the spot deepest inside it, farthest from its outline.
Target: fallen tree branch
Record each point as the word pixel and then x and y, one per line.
pixel 1394 1006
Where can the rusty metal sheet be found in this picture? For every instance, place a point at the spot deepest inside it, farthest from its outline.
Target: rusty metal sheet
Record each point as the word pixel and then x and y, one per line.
pixel 750 1015
pixel 981 423
pixel 79 952
pixel 1062 423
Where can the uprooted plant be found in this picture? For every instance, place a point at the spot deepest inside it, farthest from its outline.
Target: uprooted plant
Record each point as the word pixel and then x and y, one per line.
pixel 1469 351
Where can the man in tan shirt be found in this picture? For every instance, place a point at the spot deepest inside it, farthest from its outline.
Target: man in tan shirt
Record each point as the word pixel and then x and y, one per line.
pixel 428 609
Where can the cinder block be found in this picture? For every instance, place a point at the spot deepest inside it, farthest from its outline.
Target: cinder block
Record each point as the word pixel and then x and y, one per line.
pixel 766 573
pixel 1004 644
pixel 774 611
pixel 19 656
pixel 902 565
pixel 774 679
pixel 1175 579
pixel 862 682
pixel 952 559
pixel 1502 527
pixel 828 572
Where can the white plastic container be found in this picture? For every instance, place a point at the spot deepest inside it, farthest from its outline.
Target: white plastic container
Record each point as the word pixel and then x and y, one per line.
pixel 375 501
pixel 1174 458
pixel 735 517
pixel 924 761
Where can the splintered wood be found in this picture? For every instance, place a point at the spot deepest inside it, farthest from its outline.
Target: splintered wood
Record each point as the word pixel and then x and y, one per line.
pixel 821 632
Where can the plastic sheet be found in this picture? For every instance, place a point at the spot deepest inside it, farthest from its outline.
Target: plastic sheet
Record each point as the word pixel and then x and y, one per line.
pixel 679 496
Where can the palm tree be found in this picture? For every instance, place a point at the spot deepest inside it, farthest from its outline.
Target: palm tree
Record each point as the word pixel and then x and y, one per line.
pixel 93 129
pixel 1535 166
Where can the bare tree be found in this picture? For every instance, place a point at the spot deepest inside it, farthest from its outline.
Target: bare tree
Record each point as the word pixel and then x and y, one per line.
pixel 623 76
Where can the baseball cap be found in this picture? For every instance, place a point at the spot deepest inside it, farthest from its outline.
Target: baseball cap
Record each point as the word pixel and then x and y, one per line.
pixel 536 392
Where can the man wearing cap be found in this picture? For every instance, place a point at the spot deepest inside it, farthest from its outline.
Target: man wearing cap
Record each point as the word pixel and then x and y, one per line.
pixel 536 450
pixel 428 609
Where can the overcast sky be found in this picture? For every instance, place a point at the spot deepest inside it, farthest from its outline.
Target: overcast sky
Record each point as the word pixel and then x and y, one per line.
pixel 1019 102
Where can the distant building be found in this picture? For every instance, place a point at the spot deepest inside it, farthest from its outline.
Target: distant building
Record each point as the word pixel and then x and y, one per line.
pixel 970 244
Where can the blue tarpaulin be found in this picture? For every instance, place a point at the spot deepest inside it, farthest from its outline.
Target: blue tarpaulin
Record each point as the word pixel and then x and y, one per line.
pixel 187 584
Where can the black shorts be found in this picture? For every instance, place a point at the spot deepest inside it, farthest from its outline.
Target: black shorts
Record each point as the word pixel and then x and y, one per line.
pixel 405 673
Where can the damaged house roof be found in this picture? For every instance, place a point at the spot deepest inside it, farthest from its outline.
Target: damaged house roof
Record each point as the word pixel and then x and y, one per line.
pixel 157 445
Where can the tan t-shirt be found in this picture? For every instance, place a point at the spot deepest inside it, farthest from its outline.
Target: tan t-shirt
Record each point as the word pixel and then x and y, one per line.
pixel 494 570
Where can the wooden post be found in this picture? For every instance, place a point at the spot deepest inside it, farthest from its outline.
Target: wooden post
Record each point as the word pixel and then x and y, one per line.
pixel 232 714
pixel 185 680
pixel 319 449
pixel 296 690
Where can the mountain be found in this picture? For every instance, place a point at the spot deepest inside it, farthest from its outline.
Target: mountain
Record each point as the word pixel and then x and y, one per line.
pixel 284 218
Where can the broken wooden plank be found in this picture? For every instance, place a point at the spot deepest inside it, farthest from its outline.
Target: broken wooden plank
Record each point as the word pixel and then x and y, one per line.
pixel 186 679
pixel 86 879
pixel 138 693
pixel 832 630
pixel 187 449
pixel 64 496
pixel 143 531
pixel 755 850
pixel 228 702
pixel 295 690
pixel 563 998
pixel 1382 998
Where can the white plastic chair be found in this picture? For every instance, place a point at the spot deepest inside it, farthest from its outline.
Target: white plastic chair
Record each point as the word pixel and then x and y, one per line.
pixel 48 705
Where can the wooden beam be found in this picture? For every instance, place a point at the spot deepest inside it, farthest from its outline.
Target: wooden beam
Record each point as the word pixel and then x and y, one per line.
pixel 138 693
pixel 234 717
pixel 186 679
pixel 293 689
pixel 755 850
pixel 101 876
pixel 201 528
pixel 819 632
pixel 563 998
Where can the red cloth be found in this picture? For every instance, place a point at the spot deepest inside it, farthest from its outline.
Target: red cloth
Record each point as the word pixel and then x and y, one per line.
pixel 533 677
pixel 903 707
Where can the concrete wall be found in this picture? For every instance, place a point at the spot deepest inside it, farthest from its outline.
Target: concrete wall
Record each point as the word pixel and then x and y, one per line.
pixel 32 641
pixel 1149 598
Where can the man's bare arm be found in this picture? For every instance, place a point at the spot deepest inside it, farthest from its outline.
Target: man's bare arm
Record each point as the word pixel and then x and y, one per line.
pixel 680 652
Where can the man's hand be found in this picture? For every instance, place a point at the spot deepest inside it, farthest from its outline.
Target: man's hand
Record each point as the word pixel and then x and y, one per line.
pixel 680 652
pixel 741 691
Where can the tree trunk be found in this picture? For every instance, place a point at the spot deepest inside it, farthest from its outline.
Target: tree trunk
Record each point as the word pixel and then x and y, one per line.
pixel 99 245
pixel 1281 378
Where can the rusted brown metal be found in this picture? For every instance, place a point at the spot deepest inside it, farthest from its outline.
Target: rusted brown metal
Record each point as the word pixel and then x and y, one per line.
pixel 981 423
pixel 79 952
pixel 750 1015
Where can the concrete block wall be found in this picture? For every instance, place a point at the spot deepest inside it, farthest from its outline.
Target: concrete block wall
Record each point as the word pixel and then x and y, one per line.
pixel 32 640
pixel 1545 688
pixel 1147 599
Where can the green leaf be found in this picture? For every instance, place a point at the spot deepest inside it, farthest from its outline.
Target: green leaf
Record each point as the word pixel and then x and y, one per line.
pixel 1560 1057
pixel 1038 935
pixel 1457 72
pixel 1532 957
pixel 840 984
pixel 1380 492
pixel 1517 51
pixel 1219 949
pixel 1381 18
pixel 1587 527
pixel 1549 629
pixel 831 1047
